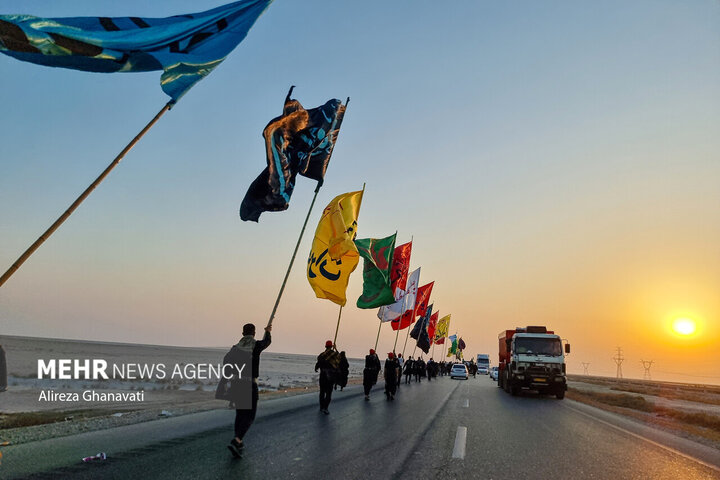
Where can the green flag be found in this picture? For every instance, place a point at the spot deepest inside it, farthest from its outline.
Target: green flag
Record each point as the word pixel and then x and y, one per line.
pixel 378 255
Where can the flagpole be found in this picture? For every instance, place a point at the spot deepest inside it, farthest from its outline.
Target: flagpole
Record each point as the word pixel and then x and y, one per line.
pixel 292 260
pixel 297 245
pixel 378 335
pixel 406 339
pixel 397 332
pixel 338 325
pixel 15 266
pixel 432 355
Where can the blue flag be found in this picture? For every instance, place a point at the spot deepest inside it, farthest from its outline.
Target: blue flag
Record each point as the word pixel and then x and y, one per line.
pixel 185 47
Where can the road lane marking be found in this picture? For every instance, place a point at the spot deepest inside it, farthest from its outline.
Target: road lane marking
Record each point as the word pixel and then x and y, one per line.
pixel 460 440
pixel 657 444
pixel 467 403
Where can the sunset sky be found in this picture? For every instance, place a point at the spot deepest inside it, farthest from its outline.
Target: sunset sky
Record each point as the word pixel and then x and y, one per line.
pixel 556 163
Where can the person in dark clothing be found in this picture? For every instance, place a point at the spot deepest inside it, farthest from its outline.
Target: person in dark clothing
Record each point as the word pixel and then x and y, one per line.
pixel 400 362
pixel 391 376
pixel 370 372
pixel 408 369
pixel 245 417
pixel 419 369
pixel 328 375
pixel 344 372
pixel 3 370
pixel 430 367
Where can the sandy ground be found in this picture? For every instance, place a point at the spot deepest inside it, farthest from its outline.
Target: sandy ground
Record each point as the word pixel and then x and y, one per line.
pixel 678 404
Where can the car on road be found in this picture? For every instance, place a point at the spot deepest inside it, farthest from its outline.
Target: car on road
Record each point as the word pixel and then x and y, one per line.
pixel 459 370
pixel 483 370
pixel 494 373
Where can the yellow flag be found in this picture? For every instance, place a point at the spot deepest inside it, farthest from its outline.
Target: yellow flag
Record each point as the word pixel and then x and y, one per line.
pixel 333 256
pixel 442 327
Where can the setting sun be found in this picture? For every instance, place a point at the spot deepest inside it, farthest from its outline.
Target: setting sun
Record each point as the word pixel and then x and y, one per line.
pixel 684 326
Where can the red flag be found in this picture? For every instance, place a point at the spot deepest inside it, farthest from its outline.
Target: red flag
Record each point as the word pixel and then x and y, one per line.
pixel 431 326
pixel 400 267
pixel 440 341
pixel 423 300
pixel 407 318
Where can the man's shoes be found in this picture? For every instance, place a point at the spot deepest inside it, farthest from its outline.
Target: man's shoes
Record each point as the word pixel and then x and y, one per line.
pixel 236 448
pixel 326 411
pixel 367 398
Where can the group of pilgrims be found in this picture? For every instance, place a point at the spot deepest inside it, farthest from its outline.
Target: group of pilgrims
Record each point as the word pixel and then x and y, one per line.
pixel 334 370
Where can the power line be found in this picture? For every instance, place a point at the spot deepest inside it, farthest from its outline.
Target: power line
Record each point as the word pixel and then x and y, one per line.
pixel 585 367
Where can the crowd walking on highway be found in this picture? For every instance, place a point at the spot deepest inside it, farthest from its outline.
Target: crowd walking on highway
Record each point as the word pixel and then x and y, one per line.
pixel 334 370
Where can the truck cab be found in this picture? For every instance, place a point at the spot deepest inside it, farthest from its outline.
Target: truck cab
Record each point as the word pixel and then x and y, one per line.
pixel 532 358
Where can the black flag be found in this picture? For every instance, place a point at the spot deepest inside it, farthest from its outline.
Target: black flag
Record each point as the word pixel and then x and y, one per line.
pixel 299 141
pixel 420 333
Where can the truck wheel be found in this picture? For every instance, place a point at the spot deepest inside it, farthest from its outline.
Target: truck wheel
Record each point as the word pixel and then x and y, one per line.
pixel 560 394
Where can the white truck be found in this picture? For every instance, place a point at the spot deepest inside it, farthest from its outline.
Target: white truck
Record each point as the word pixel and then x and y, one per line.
pixel 483 363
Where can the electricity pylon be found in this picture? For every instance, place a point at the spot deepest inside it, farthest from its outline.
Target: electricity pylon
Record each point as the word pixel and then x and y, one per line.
pixel 618 361
pixel 646 365
pixel 585 367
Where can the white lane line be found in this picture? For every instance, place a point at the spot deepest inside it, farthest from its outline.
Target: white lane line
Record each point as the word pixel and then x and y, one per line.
pixel 467 403
pixel 664 447
pixel 460 440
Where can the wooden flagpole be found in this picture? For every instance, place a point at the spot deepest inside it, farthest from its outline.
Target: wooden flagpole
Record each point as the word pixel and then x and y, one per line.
pixel 378 335
pixel 297 245
pixel 338 326
pixel 406 339
pixel 15 266
pixel 292 259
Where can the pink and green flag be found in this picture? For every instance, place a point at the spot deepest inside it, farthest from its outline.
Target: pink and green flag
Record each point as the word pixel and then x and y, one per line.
pixel 378 256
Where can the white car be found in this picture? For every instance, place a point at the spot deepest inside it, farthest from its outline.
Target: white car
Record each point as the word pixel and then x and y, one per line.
pixel 483 370
pixel 494 373
pixel 459 370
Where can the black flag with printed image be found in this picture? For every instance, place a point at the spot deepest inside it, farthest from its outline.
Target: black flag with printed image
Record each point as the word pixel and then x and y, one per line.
pixel 297 142
pixel 420 332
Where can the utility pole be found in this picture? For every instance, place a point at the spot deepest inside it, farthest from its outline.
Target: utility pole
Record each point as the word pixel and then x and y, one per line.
pixel 618 361
pixel 646 365
pixel 585 367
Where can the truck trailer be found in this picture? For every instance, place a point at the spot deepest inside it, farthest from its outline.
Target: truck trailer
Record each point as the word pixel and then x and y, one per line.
pixel 532 358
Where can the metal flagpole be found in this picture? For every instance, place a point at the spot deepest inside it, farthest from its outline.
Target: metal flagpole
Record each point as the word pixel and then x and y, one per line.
pixel 297 245
pixel 83 196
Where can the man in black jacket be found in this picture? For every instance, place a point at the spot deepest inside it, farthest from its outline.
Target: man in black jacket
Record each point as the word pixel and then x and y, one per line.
pixel 370 372
pixel 245 417
pixel 326 363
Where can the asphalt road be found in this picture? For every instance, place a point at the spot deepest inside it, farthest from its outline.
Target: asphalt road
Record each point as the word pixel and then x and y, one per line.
pixel 436 430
